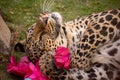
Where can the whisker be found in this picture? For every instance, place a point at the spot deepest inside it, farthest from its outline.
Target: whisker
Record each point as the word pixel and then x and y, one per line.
pixel 44 5
pixel 47 2
pixel 49 8
pixel 48 5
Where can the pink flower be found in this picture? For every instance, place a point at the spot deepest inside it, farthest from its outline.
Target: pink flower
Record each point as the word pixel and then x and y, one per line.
pixel 36 73
pixel 29 71
pixel 62 58
pixel 25 69
pixel 20 69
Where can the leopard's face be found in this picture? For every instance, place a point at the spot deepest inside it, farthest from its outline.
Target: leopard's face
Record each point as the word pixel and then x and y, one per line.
pixel 41 36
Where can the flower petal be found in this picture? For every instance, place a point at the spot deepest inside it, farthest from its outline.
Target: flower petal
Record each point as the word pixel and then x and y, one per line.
pixel 61 58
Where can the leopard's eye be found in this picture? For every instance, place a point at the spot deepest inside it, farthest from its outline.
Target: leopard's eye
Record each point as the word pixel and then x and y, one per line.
pixel 30 30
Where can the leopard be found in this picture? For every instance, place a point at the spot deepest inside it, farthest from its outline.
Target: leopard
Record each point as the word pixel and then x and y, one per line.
pixel 82 36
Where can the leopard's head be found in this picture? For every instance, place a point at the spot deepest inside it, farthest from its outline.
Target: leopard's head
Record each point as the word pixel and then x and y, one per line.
pixel 41 36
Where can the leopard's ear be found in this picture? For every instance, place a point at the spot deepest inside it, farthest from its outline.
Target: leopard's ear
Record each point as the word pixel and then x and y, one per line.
pixel 39 27
pixel 42 22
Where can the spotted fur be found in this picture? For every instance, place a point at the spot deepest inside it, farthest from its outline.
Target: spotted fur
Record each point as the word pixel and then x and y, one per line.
pixel 104 66
pixel 83 37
